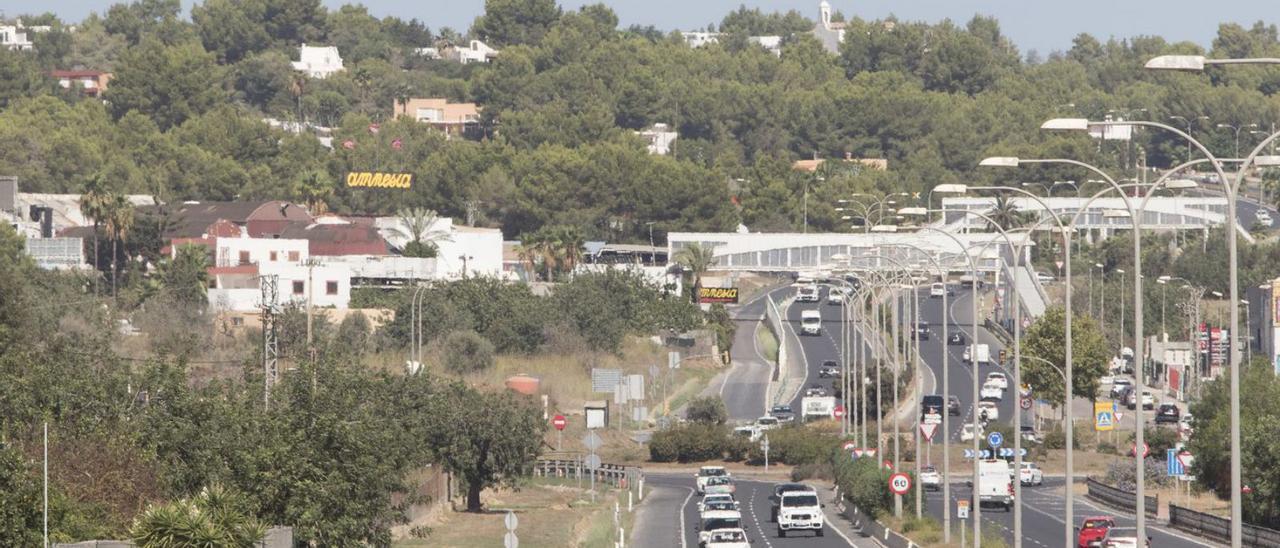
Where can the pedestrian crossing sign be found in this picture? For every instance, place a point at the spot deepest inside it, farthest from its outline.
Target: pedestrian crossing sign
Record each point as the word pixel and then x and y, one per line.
pixel 1104 416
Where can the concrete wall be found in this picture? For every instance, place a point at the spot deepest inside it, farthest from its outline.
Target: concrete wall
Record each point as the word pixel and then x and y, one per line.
pixel 227 251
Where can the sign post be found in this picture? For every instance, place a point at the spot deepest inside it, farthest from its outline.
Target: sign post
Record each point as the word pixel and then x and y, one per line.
pixel 510 540
pixel 559 423
pixel 764 446
pixel 962 512
pixel 1104 416
pixel 592 442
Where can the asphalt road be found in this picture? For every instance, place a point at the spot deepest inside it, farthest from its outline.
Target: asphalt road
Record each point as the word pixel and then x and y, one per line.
pixel 1042 522
pixel 744 387
pixel 677 520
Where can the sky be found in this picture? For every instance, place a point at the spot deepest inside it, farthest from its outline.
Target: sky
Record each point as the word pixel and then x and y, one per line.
pixel 1032 24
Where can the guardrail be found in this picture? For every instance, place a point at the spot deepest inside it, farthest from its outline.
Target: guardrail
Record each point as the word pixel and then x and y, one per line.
pixel 1119 498
pixel 869 527
pixel 616 475
pixel 1219 528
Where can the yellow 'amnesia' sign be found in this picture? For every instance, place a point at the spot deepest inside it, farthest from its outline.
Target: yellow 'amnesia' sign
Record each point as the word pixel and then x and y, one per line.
pixel 378 179
pixel 727 295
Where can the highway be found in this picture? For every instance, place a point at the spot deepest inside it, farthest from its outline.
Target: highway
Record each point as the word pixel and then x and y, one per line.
pixel 679 516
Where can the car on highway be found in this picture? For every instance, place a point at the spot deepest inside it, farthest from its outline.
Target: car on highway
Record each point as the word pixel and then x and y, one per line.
pixel 937 290
pixel 922 331
pixel 722 498
pixel 815 389
pixel 1118 386
pixel 837 295
pixel 991 392
pixel 930 479
pixel 719 484
pixel 987 411
pixel 931 404
pixel 727 538
pixel 953 406
pixel 995 484
pixel 799 511
pixel 1044 277
pixel 1029 434
pixel 1148 400
pixel 783 413
pixel 717 521
pixel 1264 218
pixel 1123 537
pixel 810 322
pixel 705 474
pixel 998 378
pixel 1031 474
pixel 782 489
pixel 1091 531
pixel 967 432
pixel 1168 413
pixel 956 338
pixel 807 293
pixel 717 506
pixel 1186 423
pixel 750 432
pixel 829 369
pixel 768 422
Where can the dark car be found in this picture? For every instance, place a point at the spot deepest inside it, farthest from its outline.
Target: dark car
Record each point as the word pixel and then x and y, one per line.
pixel 782 413
pixel 955 339
pixel 1168 413
pixel 830 368
pixel 931 404
pixel 922 331
pixel 953 406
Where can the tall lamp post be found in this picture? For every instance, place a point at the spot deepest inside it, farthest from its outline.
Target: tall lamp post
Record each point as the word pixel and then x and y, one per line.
pixel 1189 122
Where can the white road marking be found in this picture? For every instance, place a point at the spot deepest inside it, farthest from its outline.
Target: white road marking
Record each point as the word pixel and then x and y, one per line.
pixel 680 517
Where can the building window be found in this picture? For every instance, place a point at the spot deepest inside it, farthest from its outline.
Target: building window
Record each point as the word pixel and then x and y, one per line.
pixel 299 287
pixel 331 288
pixel 244 258
pixel 274 256
pixel 294 256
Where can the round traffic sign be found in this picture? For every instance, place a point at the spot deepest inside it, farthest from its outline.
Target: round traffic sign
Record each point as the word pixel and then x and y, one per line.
pixel 593 462
pixel 1146 449
pixel 838 412
pixel 591 441
pixel 1025 402
pixel 559 422
pixel 900 483
pixel 995 439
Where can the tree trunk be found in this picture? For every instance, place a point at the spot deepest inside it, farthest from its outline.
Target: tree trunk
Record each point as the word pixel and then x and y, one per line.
pixel 97 264
pixel 473 497
pixel 113 268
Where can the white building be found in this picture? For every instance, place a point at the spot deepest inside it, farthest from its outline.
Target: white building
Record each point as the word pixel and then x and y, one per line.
pixel 241 264
pixel 699 39
pixel 318 61
pixel 475 52
pixel 463 251
pixel 660 138
pixel 15 37
pixel 771 43
pixel 830 33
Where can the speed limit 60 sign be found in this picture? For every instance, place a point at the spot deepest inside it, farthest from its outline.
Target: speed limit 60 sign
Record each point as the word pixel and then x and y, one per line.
pixel 900 483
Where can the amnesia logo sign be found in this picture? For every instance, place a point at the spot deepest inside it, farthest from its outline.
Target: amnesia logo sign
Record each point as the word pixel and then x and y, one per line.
pixel 727 295
pixel 378 179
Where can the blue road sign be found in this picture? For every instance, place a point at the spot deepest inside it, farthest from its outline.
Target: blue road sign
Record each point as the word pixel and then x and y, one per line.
pixel 968 453
pixel 995 439
pixel 986 454
pixel 1173 466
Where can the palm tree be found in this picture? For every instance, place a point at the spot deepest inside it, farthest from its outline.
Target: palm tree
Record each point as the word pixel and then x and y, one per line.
pixel 214 517
pixel 570 243
pixel 119 224
pixel 1006 214
pixel 94 203
pixel 418 226
pixel 696 259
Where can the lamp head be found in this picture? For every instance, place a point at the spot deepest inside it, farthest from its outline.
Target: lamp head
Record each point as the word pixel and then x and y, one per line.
pixel 999 161
pixel 913 211
pixel 1266 161
pixel 1176 62
pixel 1067 124
pixel 951 188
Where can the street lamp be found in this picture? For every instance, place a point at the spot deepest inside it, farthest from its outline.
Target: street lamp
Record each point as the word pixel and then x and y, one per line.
pixel 1236 129
pixel 1189 121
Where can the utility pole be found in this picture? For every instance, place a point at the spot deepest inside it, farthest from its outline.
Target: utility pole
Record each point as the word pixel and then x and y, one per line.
pixel 270 342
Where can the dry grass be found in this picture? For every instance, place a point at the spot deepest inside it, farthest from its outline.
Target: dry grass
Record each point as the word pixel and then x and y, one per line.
pixel 550 515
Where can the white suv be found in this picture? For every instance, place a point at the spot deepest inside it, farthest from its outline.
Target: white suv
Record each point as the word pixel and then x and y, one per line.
pixel 799 510
pixel 706 473
pixel 1031 474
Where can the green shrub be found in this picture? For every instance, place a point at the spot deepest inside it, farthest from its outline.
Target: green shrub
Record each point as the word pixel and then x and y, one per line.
pixel 689 443
pixel 817 470
pixel 797 445
pixel 467 351
pixel 1057 439
pixel 709 409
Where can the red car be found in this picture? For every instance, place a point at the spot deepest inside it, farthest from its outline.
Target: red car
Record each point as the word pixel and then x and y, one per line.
pixel 1093 530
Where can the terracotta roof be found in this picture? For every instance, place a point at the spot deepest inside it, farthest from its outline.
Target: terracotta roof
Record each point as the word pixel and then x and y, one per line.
pixel 193 219
pixel 337 239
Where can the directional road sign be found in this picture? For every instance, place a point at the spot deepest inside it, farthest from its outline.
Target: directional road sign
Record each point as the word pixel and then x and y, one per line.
pixel 928 430
pixel 995 439
pixel 900 483
pixel 1009 452
pixel 1172 465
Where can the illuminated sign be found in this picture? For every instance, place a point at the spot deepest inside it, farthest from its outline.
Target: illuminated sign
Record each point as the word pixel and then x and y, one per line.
pixel 378 179
pixel 727 295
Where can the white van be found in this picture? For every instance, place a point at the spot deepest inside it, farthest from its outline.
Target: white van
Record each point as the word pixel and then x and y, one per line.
pixel 995 483
pixel 937 290
pixel 811 322
pixel 807 294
